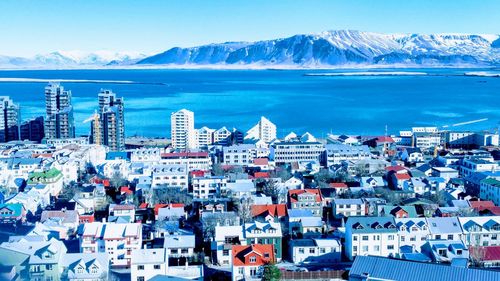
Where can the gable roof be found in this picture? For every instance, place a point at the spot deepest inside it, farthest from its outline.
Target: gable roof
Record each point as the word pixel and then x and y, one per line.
pixel 274 210
pixel 240 252
pixel 294 193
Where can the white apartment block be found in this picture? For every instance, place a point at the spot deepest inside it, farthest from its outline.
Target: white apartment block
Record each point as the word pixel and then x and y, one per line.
pixel 288 152
pixel 207 187
pixel 192 160
pixel 264 130
pixel 117 240
pixel 481 231
pixel 146 155
pixel 412 232
pixel 348 207
pixel 315 250
pixel 222 136
pixel 170 176
pixel 204 137
pixel 243 154
pixel 336 153
pixel 377 236
pixel 182 132
pixel 472 165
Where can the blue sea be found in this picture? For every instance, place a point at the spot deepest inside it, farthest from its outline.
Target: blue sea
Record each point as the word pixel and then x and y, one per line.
pixel 291 99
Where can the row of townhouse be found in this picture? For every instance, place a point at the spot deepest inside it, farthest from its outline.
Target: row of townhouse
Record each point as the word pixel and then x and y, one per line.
pixel 387 236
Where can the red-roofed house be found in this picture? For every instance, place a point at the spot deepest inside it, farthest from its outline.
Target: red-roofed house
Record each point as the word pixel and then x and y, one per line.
pixel 485 207
pixel 262 163
pixel 261 175
pixel 171 205
pixel 273 212
pixel 398 179
pixel 489 255
pixel 339 187
pixel 125 190
pixel 309 198
pixel 248 260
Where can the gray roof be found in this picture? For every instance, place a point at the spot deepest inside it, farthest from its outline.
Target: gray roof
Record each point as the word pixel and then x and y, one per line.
pixel 393 269
pixel 371 224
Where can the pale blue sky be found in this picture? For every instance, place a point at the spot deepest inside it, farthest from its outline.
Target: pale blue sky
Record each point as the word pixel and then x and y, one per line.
pixel 31 27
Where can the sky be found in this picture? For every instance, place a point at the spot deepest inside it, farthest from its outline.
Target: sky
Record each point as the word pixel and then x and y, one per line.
pixel 36 27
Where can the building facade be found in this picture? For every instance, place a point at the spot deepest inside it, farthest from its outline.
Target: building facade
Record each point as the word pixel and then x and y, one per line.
pixel 59 122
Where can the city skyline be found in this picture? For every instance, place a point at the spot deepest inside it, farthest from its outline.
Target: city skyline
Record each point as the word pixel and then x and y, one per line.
pixel 160 25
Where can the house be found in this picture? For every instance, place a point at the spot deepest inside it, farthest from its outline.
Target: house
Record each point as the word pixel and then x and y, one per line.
pixel 367 268
pixel 117 239
pixel 480 231
pixel 172 211
pixel 265 233
pixel 473 165
pixel 445 250
pixel 69 219
pixel 488 256
pixel 444 228
pixel 269 212
pixel 12 213
pixel 173 175
pixel 123 211
pixel 339 187
pixel 241 188
pixel 348 207
pixel 224 239
pixel 52 178
pixel 148 263
pixel 79 266
pixel 398 211
pixel 444 172
pixel 412 155
pixel 306 199
pixel 34 258
pixel 179 245
pixel 372 182
pixel 315 250
pixel 416 185
pixel 248 261
pixel 398 179
pixel 412 232
pixel 371 236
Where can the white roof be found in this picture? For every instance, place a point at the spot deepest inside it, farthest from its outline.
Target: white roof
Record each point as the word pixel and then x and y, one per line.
pixel 149 256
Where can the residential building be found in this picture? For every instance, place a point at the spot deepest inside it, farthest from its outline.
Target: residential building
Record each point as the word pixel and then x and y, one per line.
pixel 179 245
pixel 444 228
pixel 377 236
pixel 175 175
pixel 248 261
pixel 148 263
pixel 204 137
pixel 116 239
pixel 265 233
pixel 79 266
pixel 309 199
pixel 33 129
pixel 192 160
pixel 336 153
pixel 182 132
pixel 412 232
pixel 490 190
pixel 288 152
pixel 412 155
pixel 222 136
pixel 481 231
pixel 264 130
pixel 207 187
pixel 243 154
pixel 12 213
pixel 445 250
pixel 348 207
pixel 315 250
pixel 59 122
pixel 225 238
pixel 109 128
pixel 10 119
pixel 472 165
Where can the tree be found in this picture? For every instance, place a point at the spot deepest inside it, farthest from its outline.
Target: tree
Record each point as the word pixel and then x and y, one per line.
pixel 271 273
pixel 117 180
pixel 477 255
pixel 217 170
pixel 270 188
pixel 167 195
pixel 244 206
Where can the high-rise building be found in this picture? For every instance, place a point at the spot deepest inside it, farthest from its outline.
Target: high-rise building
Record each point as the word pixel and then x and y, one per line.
pixel 265 130
pixel 59 122
pixel 182 130
pixel 108 126
pixel 9 120
pixel 33 129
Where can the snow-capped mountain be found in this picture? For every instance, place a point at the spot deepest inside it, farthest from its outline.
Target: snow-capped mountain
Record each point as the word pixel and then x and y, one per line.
pixel 72 59
pixel 343 48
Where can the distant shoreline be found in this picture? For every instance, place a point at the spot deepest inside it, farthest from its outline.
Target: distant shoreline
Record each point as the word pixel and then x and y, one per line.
pixel 90 81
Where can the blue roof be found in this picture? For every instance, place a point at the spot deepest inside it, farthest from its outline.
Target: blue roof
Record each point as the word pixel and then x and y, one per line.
pixel 299 213
pixel 118 155
pixel 416 257
pixel 401 270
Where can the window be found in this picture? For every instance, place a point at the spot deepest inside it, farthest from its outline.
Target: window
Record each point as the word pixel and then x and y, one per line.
pixel 140 278
pixel 376 248
pixel 253 259
pixel 459 252
pixel 156 266
pixel 390 237
pixel 266 255
pixel 413 238
pixel 240 270
pixel 355 248
pixel 322 250
pixel 355 238
pixel 438 237
pixel 450 236
pixel 253 271
pixel 365 237
pixel 390 247
pixel 225 252
pixel 364 248
pixel 312 251
pixel 402 238
pixel 48 266
pixel 140 267
pixel 301 250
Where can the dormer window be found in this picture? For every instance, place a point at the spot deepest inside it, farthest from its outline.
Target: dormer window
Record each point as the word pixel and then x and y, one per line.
pixel 266 255
pixel 253 259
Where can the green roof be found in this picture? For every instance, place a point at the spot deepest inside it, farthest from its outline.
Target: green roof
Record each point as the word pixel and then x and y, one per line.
pixel 491 181
pixel 45 175
pixel 17 208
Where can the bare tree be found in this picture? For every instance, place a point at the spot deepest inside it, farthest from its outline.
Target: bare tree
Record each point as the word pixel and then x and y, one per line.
pixel 477 255
pixel 117 180
pixel 271 188
pixel 167 195
pixel 245 209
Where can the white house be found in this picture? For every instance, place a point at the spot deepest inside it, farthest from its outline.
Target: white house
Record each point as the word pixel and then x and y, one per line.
pixel 412 232
pixel 315 250
pixel 147 263
pixel 207 187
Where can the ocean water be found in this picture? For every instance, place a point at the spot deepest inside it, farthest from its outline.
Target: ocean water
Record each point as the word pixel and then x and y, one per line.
pixel 289 98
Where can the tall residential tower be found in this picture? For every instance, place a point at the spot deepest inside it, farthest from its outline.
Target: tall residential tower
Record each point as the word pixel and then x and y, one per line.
pixel 182 130
pixel 9 120
pixel 108 126
pixel 59 122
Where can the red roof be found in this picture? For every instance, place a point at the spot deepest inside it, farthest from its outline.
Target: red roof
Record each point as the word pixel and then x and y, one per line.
pixel 293 194
pixel 143 205
pixel 402 176
pixel 395 168
pixel 261 161
pixel 338 185
pixel 197 173
pixel 126 189
pixel 382 139
pixel 275 210
pixel 172 205
pixel 487 253
pixel 495 210
pixel 185 155
pixel 263 253
pixel 261 175
pixel 481 204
